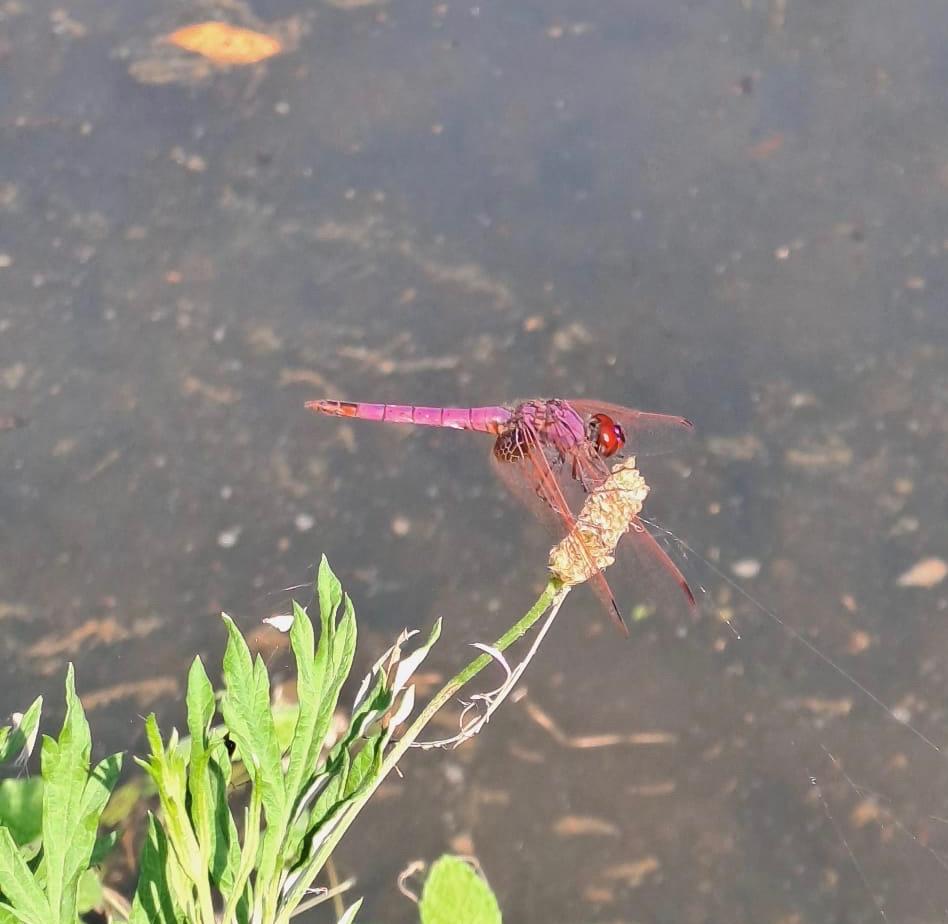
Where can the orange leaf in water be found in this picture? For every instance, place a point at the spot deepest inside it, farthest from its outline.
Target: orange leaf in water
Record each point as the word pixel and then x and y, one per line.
pixel 926 573
pixel 766 148
pixel 225 44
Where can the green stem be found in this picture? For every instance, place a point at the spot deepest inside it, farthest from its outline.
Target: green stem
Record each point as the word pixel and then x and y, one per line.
pixel 515 632
pixel 552 594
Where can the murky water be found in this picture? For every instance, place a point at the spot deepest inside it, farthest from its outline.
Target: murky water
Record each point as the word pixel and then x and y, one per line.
pixel 737 211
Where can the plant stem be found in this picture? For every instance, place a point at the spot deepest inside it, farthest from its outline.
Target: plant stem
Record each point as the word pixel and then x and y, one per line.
pixel 553 595
pixel 515 632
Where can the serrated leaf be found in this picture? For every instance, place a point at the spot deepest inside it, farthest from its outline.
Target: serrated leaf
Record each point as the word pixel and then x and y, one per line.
pixel 153 902
pixel 329 592
pixel 200 703
pixel 455 894
pixel 319 686
pixel 18 885
pixel 249 720
pixel 15 743
pixel 225 850
pixel 21 808
pixel 246 710
pixel 65 769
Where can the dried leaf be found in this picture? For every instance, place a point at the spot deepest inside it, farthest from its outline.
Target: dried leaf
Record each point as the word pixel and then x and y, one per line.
pixel 605 518
pixel 766 148
pixel 633 874
pixel 573 825
pixel 223 43
pixel 926 573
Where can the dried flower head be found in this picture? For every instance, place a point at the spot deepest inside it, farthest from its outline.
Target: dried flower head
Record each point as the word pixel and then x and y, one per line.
pixel 606 517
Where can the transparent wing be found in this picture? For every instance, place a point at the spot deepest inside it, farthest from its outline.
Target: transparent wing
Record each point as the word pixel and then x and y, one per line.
pixel 646 433
pixel 642 564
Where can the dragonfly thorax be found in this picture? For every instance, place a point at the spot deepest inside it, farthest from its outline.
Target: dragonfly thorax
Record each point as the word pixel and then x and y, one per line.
pixel 511 445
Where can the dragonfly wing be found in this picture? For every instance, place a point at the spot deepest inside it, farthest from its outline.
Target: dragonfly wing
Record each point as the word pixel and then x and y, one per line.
pixel 532 480
pixel 646 433
pixel 649 578
pixel 648 568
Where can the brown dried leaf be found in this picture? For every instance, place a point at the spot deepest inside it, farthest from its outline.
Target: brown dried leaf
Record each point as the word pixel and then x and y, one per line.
pixel 925 573
pixel 864 813
pixel 216 394
pixel 605 518
pixel 91 634
pixel 575 825
pixel 223 43
pixel 632 874
pixel 766 148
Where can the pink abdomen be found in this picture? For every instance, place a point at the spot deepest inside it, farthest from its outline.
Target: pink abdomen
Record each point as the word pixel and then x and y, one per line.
pixel 483 419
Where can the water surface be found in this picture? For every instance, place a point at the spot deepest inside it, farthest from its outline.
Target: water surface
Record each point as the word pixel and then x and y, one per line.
pixel 731 210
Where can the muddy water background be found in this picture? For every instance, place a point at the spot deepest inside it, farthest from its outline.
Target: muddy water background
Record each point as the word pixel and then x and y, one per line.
pixel 735 211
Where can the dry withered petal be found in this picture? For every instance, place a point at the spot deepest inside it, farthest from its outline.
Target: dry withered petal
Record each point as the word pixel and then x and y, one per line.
pixel 606 517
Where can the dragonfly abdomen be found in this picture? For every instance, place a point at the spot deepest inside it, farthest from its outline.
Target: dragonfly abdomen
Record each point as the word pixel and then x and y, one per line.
pixel 483 419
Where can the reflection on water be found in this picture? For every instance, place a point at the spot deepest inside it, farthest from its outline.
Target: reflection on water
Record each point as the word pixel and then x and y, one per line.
pixel 734 211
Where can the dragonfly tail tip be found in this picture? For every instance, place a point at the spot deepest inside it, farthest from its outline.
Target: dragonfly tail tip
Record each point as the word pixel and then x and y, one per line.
pixel 689 593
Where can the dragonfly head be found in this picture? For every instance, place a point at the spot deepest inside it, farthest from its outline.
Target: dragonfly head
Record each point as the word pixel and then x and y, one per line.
pixel 606 434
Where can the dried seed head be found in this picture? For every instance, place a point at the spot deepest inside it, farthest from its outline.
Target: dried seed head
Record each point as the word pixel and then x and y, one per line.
pixel 607 514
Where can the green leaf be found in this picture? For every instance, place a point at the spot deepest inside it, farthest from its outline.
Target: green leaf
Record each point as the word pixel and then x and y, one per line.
pixel 90 891
pixel 455 894
pixel 103 847
pixel 285 717
pixel 365 765
pixel 246 710
pixel 200 702
pixel 329 592
pixel 7 915
pixel 349 915
pixel 153 902
pixel 21 808
pixel 320 678
pixel 65 768
pixel 167 767
pixel 16 742
pixel 223 844
pixel 98 790
pixel 18 885
pixel 125 798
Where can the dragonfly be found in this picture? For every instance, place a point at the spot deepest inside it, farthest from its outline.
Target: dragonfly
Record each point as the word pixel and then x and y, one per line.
pixel 549 452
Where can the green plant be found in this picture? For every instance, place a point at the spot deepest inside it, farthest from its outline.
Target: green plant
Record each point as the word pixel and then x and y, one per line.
pixel 199 863
pixel 43 870
pixel 455 893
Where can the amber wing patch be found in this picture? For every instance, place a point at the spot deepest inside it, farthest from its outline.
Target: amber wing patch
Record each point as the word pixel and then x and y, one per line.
pixel 223 43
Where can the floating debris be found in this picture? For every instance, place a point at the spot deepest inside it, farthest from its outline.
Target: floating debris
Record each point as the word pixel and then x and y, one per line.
pixel 223 43
pixel 579 825
pixel 746 569
pixel 228 538
pixel 11 422
pixel 926 573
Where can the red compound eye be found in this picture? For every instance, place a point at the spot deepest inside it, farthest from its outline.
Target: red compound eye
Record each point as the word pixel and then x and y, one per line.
pixel 608 436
